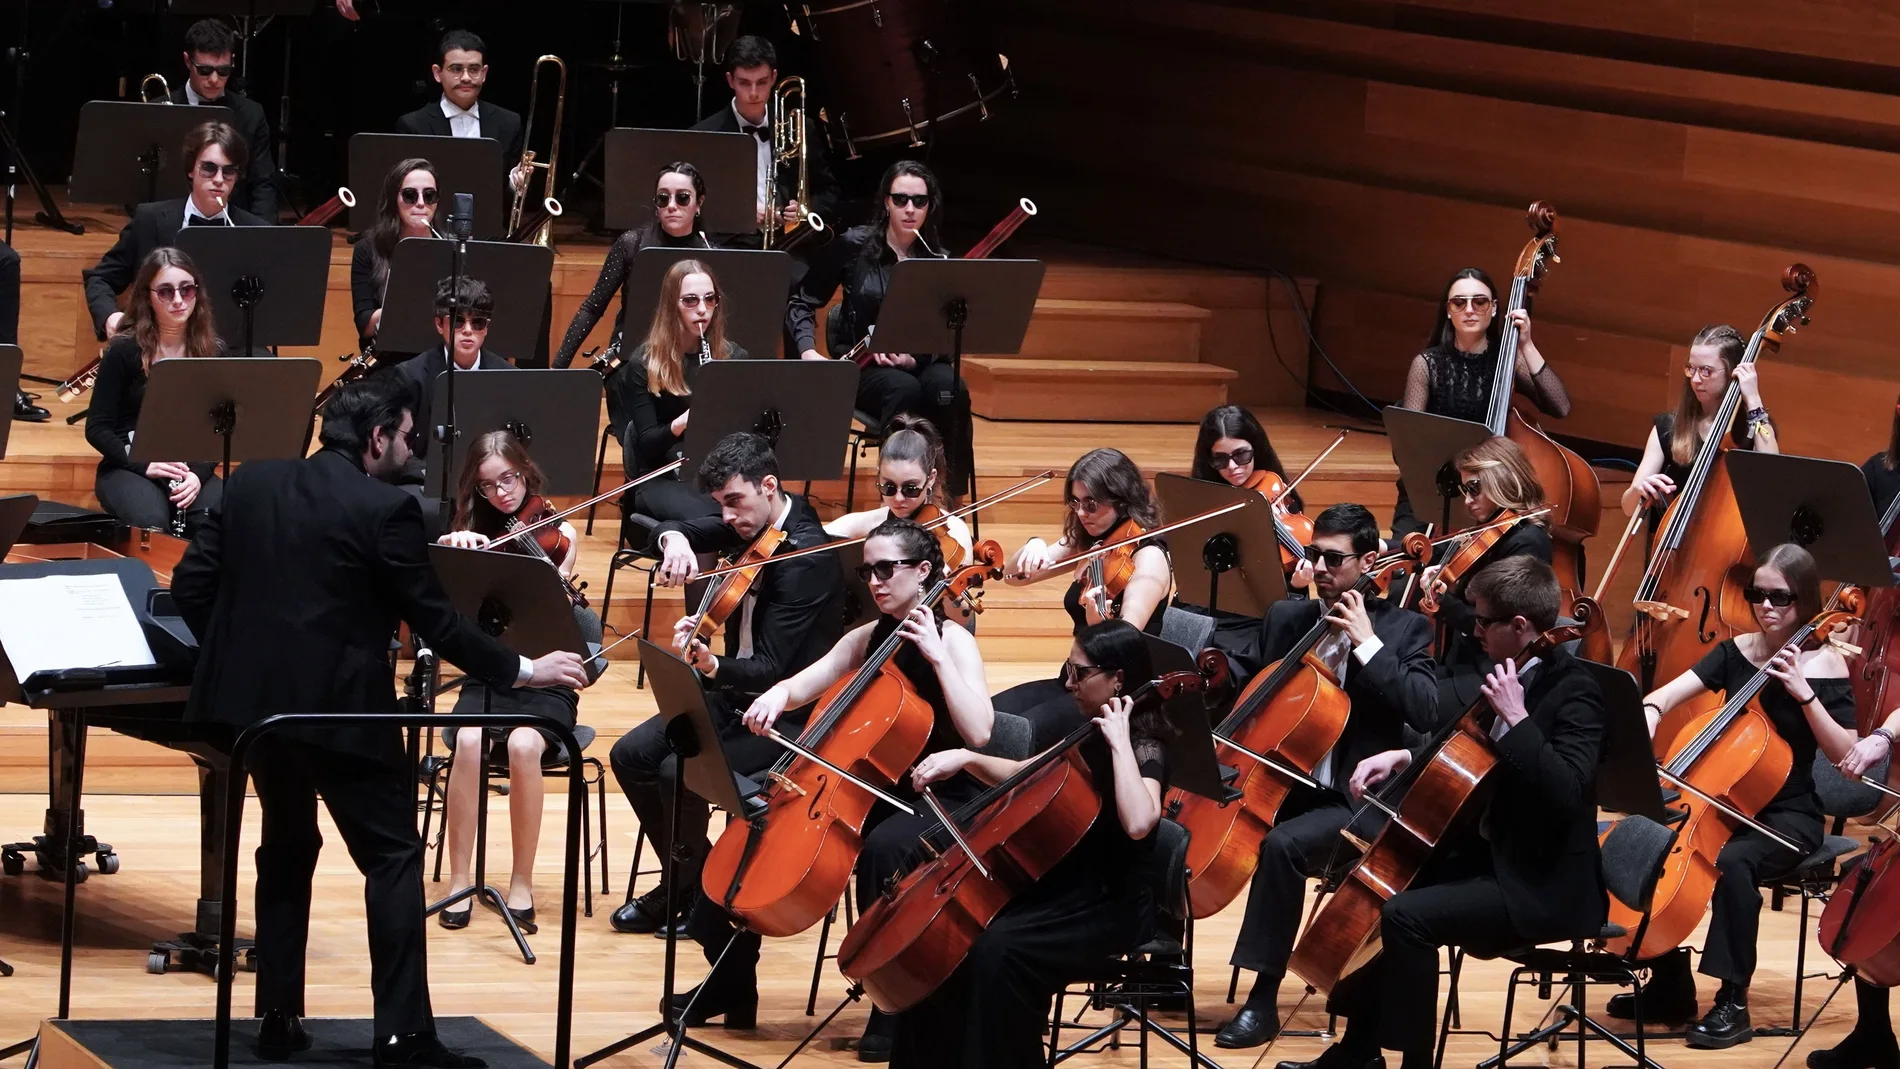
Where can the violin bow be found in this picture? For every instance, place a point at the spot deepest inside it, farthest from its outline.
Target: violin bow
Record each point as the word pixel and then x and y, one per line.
pixel 1324 453
pixel 1103 550
pixel 546 521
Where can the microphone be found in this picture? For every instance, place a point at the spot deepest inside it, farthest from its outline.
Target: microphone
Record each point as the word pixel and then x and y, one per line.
pixel 462 219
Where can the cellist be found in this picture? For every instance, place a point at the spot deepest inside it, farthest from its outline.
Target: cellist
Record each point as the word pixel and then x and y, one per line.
pixel 1809 704
pixel 1870 1043
pixel 1382 654
pixel 1715 355
pixel 1528 870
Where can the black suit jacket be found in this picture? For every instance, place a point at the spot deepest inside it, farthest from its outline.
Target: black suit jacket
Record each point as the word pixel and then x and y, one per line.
pixel 799 613
pixel 418 375
pixel 259 191
pixel 152 226
pixel 294 589
pixel 492 120
pixel 822 185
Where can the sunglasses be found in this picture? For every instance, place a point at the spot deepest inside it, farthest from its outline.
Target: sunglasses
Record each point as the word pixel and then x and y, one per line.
pixel 1332 557
pixel 886 488
pixel 681 197
pixel 472 322
pixel 213 170
pixel 1471 488
pixel 1780 599
pixel 1075 673
pixel 1087 506
pixel 184 291
pixel 694 300
pixel 884 569
pixel 1477 304
pixel 1239 458
pixel 206 70
pixel 909 200
pixel 411 194
pixel 413 439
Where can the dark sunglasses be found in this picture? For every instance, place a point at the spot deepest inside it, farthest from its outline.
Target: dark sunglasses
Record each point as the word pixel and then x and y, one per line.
pixel 694 300
pixel 183 290
pixel 886 488
pixel 1239 458
pixel 681 197
pixel 1471 488
pixel 1780 599
pixel 473 322
pixel 413 439
pixel 884 569
pixel 1479 621
pixel 1332 557
pixel 1073 673
pixel 206 70
pixel 909 200
pixel 410 194
pixel 1479 303
pixel 213 170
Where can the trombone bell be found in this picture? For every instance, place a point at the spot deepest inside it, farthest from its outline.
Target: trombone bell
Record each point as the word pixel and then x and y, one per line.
pixel 541 225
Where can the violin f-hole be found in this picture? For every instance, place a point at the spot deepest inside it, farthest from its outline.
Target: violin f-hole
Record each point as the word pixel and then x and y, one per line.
pixel 1702 622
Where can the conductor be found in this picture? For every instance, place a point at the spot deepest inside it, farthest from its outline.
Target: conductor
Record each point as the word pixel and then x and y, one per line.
pixel 294 590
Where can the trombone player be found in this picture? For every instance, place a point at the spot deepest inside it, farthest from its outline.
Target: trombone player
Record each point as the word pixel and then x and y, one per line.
pixel 752 73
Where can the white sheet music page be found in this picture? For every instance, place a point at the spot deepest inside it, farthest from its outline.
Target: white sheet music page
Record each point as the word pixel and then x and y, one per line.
pixel 69 621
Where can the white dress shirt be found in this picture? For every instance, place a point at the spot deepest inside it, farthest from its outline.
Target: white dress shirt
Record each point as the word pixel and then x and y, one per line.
pixel 1332 652
pixel 764 148
pixel 223 216
pixel 462 123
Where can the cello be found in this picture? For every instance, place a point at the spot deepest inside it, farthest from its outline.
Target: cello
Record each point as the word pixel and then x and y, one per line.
pixel 1875 693
pixel 1690 599
pixel 783 870
pixel 1860 928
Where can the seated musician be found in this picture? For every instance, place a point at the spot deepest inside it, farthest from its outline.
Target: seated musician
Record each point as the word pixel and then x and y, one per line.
pixel 650 395
pixel 1095 903
pixel 791 615
pixel 1870 1044
pixel 679 195
pixel 1492 476
pixel 168 316
pixel 1233 448
pixel 463 310
pixel 461 69
pixel 909 214
pixel 208 70
pixel 499 483
pixel 404 209
pixel 1715 356
pixel 1883 469
pixel 1811 704
pixel 1104 492
pixel 752 74
pixel 1452 376
pixel 1527 871
pixel 217 156
pixel 942 666
pixel 1382 653
pixel 911 473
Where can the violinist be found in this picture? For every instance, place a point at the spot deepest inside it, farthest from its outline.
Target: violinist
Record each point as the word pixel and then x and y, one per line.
pixel 650 396
pixel 1870 1044
pixel 1809 701
pixel 404 209
pixel 1883 470
pixel 1493 477
pixel 1452 376
pixel 501 483
pixel 993 1011
pixel 911 475
pixel 1233 448
pixel 1527 871
pixel 942 666
pixel 1382 655
pixel 1715 356
pixel 679 195
pixel 790 616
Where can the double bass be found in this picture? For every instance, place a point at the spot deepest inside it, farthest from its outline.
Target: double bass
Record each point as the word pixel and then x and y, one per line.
pixel 1690 599
pixel 1875 690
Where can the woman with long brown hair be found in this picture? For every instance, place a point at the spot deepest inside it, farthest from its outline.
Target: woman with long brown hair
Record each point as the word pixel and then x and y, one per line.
pixel 1883 469
pixel 167 316
pixel 405 209
pixel 1715 360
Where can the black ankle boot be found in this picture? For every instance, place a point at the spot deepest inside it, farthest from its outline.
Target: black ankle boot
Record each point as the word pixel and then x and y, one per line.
pixel 1668 997
pixel 1871 1049
pixel 1726 1024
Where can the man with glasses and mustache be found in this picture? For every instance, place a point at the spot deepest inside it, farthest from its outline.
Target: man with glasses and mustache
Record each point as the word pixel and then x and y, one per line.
pixel 461 69
pixel 1381 653
pixel 217 154
pixel 462 315
pixel 208 73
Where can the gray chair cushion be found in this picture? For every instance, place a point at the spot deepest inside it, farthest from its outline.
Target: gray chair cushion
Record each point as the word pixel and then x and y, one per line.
pixel 1632 859
pixel 1012 737
pixel 1188 630
pixel 1842 797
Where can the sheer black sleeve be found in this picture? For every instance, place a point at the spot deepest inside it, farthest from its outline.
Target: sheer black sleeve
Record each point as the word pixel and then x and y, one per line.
pixel 1546 391
pixel 613 275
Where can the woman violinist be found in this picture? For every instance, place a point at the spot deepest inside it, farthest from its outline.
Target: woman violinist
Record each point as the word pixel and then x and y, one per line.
pixel 406 209
pixel 1493 478
pixel 501 483
pixel 1715 355
pixel 1233 448
pixel 993 1011
pixel 1809 702
pixel 911 475
pixel 1870 1044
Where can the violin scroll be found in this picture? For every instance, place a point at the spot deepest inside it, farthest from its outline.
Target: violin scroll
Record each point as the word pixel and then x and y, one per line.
pixel 966 583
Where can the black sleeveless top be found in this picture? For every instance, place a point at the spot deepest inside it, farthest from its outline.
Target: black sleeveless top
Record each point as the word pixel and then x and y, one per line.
pixel 1072 597
pixel 924 682
pixel 1665 424
pixel 1460 382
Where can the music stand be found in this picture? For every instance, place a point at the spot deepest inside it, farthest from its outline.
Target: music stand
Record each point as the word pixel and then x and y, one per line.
pixel 1820 505
pixel 1192 764
pixel 552 410
pixel 226 408
pixel 273 279
pixel 1241 545
pixel 752 287
pixel 517 275
pixel 1626 768
pixel 729 163
pixel 15 511
pixel 128 151
pixel 12 359
pixel 1423 444
pixel 803 407
pixel 703 767
pixel 462 165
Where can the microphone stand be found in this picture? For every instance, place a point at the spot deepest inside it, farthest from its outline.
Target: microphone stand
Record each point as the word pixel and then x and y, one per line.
pixel 462 227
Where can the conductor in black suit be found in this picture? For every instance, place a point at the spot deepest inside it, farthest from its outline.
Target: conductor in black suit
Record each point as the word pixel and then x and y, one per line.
pixel 217 153
pixel 208 68
pixel 461 69
pixel 752 72
pixel 294 589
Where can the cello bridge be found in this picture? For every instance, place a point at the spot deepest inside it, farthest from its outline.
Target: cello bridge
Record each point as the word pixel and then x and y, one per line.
pixel 786 783
pixel 1660 610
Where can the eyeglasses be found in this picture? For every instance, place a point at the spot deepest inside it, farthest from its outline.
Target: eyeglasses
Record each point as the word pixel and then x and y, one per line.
pixel 507 482
pixel 1478 303
pixel 694 300
pixel 213 170
pixel 1239 458
pixel 1780 599
pixel 886 488
pixel 184 291
pixel 471 322
pixel 206 70
pixel 469 70
pixel 1700 373
pixel 884 569
pixel 681 197
pixel 412 194
pixel 908 200
pixel 1075 673
pixel 1479 621
pixel 413 439
pixel 1332 557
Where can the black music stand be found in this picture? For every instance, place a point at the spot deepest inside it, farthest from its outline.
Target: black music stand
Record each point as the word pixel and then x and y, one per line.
pixel 462 165
pixel 518 276
pixel 1241 545
pixel 1192 762
pixel 273 279
pixel 803 407
pixel 1626 769
pixel 1424 444
pixel 519 601
pixel 552 411
pixel 703 767
pixel 12 359
pixel 15 511
pixel 225 408
pixel 729 163
pixel 752 286
pixel 1820 505
pixel 128 152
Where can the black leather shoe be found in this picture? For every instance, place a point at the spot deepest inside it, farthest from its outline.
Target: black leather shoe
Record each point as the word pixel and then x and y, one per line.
pixel 1668 998
pixel 1858 1051
pixel 1725 1025
pixel 422 1048
pixel 24 408
pixel 279 1035
pixel 1334 1057
pixel 1249 1028
pixel 524 919
pixel 879 1032
pixel 455 919
pixel 739 1008
pixel 643 915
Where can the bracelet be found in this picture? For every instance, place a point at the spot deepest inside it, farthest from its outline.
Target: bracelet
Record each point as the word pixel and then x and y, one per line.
pixel 1757 415
pixel 1653 705
pixel 1884 733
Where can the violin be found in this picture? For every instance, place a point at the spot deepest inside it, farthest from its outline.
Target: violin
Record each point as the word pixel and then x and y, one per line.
pixel 725 593
pixel 1293 529
pixel 1690 598
pixel 1875 692
pixel 1728 764
pixel 909 941
pixel 1471 548
pixel 933 519
pixel 1415 550
pixel 1108 573
pixel 1860 927
pixel 785 869
pixel 547 543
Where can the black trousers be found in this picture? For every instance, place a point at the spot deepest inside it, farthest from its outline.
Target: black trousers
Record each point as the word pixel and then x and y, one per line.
pixel 885 392
pixel 670 499
pixel 1735 909
pixel 372 798
pixel 133 499
pixel 1303 842
pixel 9 295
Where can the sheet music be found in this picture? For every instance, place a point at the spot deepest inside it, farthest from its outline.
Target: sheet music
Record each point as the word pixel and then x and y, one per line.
pixel 69 621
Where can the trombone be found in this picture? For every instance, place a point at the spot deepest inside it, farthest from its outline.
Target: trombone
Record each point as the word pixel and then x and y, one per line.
pixel 789 146
pixel 164 89
pixel 538 228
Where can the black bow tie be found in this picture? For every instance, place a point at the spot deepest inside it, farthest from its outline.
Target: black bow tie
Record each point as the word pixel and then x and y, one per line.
pixel 199 220
pixel 763 133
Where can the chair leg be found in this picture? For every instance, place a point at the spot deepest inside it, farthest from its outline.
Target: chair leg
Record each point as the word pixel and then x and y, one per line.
pixel 633 873
pixel 442 833
pixel 646 628
pixel 607 596
pixel 600 787
pixel 587 852
pixel 818 963
pixel 1055 1028
pixel 1445 1019
pixel 851 479
pixel 600 462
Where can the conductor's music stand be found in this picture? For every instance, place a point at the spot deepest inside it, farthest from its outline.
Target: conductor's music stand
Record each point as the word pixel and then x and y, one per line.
pixel 273 279
pixel 803 407
pixel 752 285
pixel 1820 505
pixel 517 275
pixel 1241 546
pixel 129 152
pixel 552 412
pixel 12 359
pixel 728 162
pixel 226 408
pixel 462 165
pixel 1424 444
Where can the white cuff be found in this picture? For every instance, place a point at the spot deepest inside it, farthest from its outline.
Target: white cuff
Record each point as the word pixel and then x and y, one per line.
pixel 526 673
pixel 1369 649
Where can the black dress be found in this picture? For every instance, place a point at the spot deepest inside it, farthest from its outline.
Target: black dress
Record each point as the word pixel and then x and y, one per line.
pixel 1665 426
pixel 645 422
pixel 122 487
pixel 614 279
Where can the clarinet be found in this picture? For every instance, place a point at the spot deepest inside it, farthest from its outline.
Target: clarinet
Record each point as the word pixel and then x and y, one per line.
pixel 178 511
pixel 705 350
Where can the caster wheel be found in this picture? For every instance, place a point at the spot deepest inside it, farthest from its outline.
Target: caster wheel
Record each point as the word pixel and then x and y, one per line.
pixel 108 864
pixel 249 962
pixel 80 872
pixel 12 863
pixel 156 963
